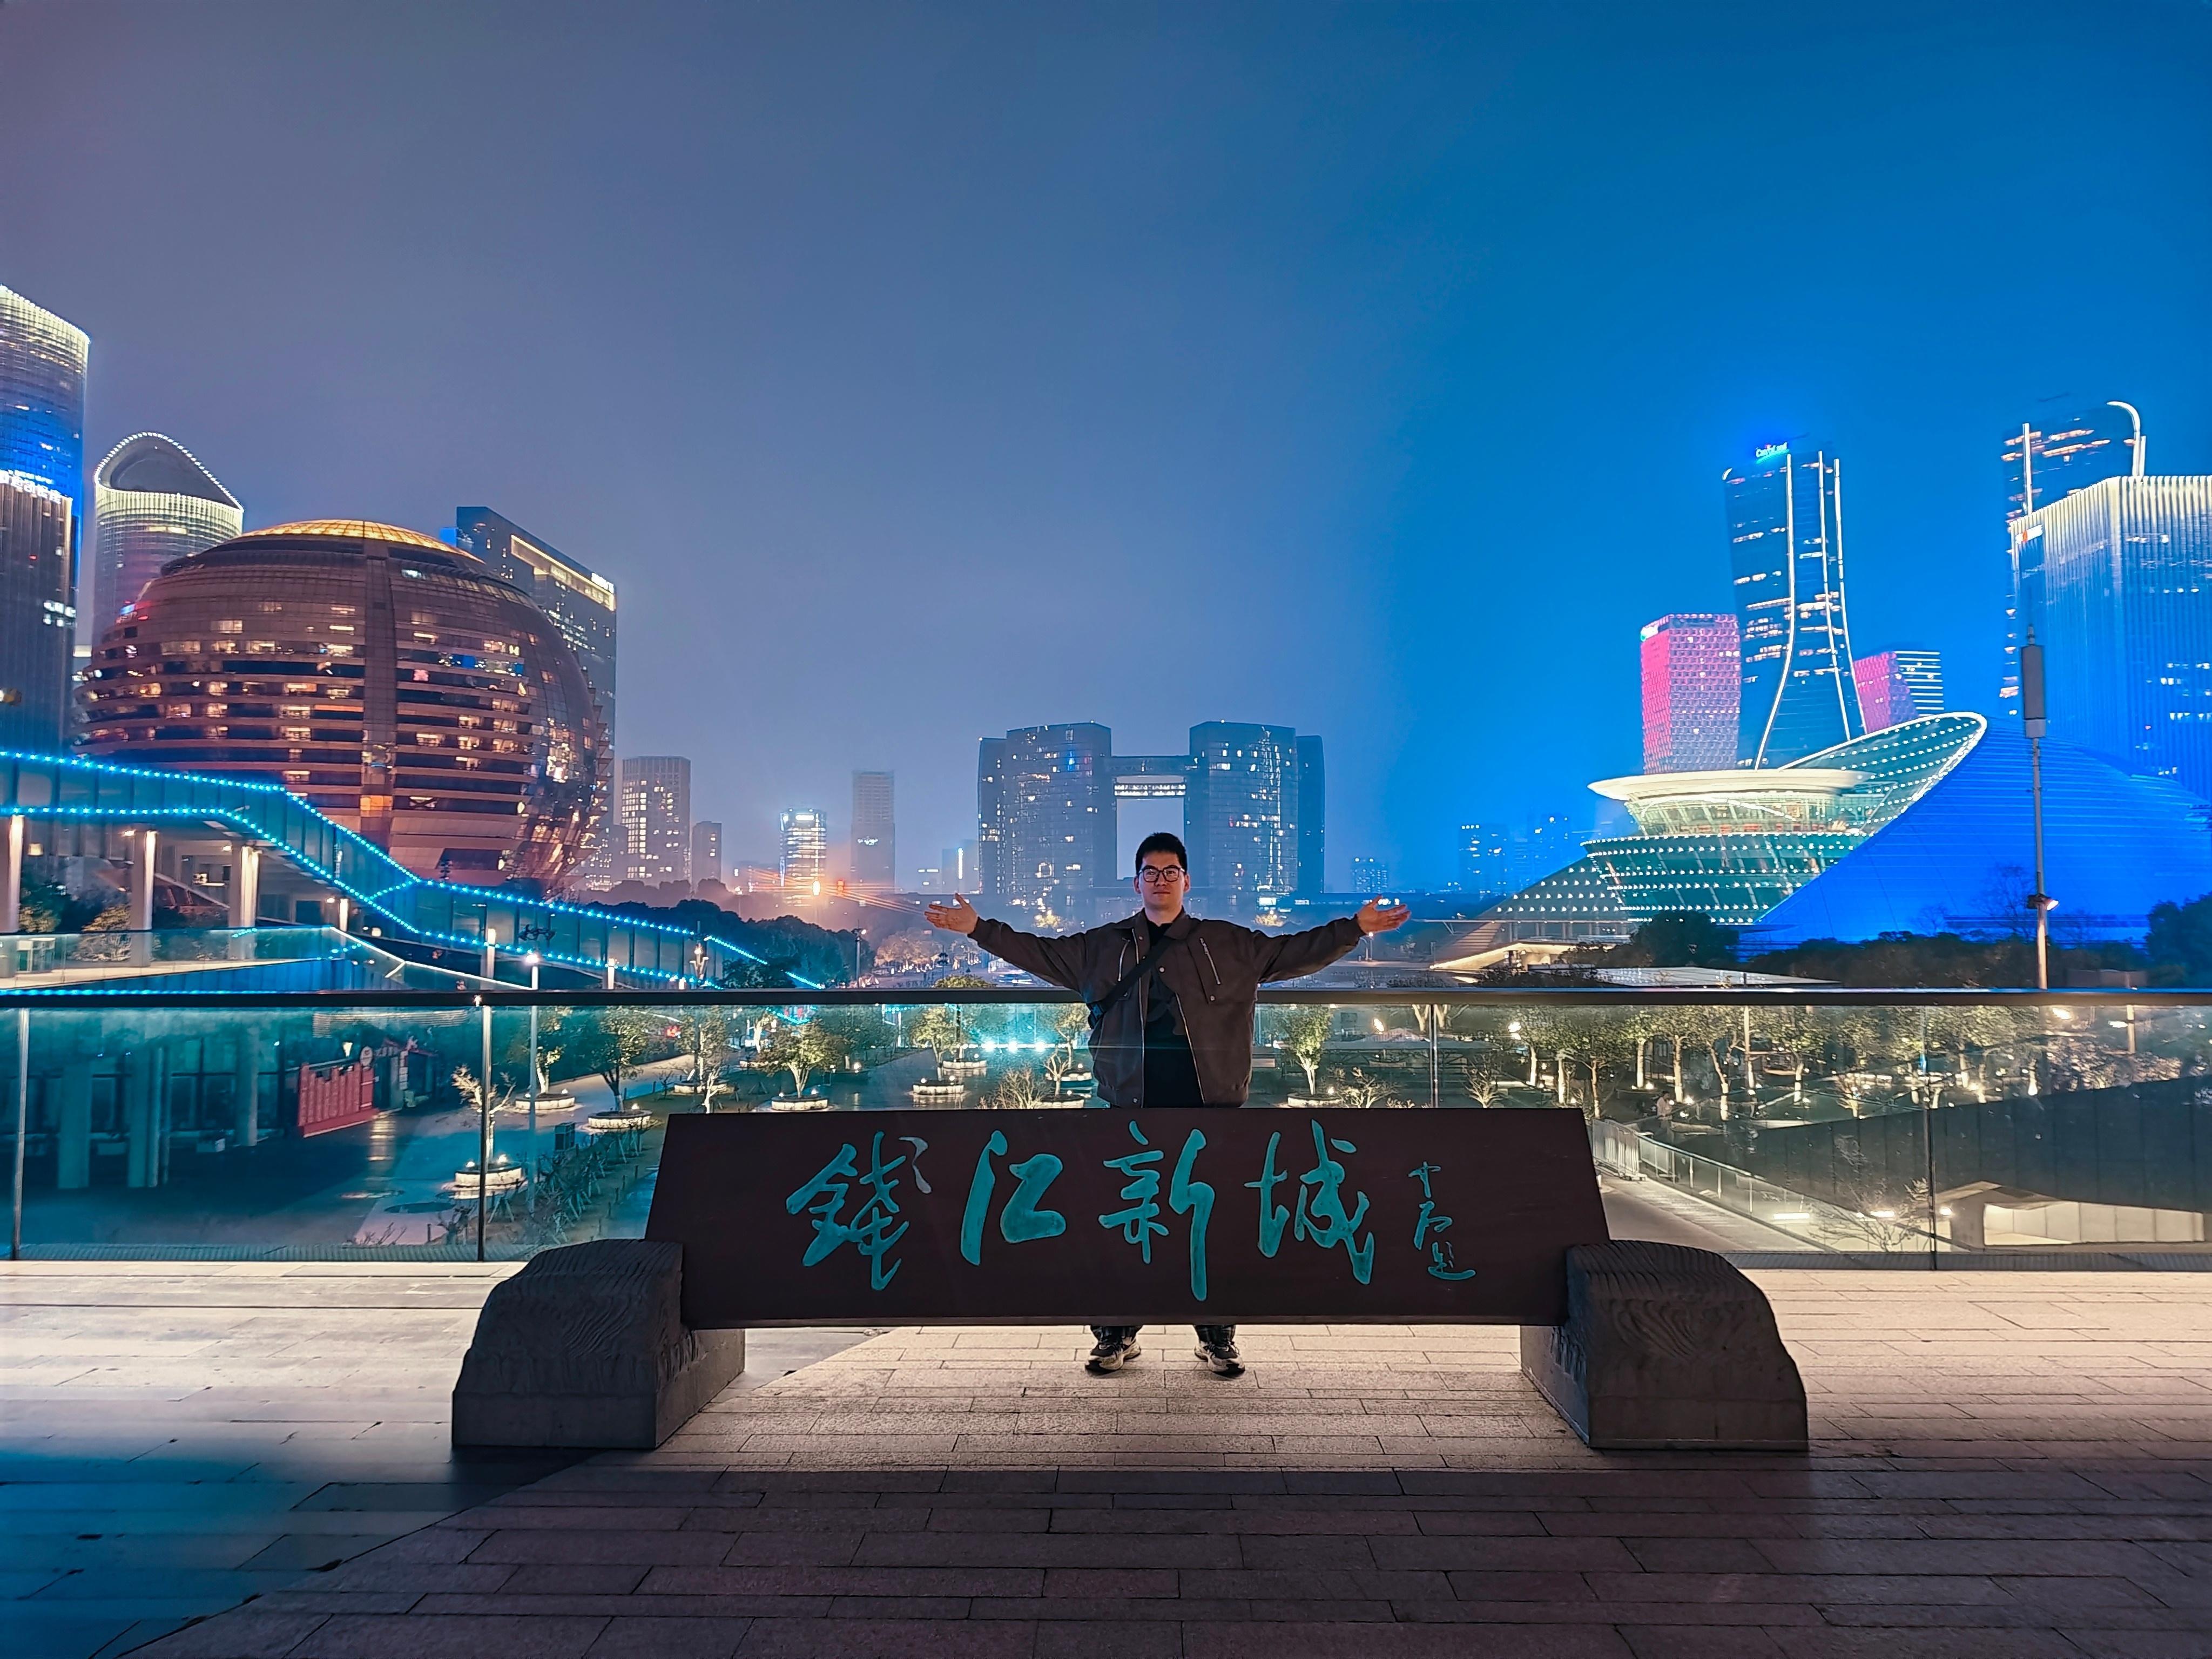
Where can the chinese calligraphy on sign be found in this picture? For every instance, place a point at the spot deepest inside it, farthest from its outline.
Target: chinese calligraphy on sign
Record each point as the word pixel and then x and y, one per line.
pixel 1112 1216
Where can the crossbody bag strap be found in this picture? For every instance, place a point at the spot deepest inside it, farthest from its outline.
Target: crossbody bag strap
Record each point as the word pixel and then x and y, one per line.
pixel 1146 965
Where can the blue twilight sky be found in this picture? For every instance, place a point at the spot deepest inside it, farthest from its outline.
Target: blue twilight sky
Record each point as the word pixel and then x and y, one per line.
pixel 921 371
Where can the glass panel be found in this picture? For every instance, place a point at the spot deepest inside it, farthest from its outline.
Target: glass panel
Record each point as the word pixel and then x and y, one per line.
pixel 350 1118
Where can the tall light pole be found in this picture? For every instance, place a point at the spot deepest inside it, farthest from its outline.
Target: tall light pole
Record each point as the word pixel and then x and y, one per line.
pixel 484 1129
pixel 2035 721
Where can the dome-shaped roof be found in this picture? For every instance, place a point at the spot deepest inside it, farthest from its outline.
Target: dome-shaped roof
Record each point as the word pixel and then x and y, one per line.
pixel 358 529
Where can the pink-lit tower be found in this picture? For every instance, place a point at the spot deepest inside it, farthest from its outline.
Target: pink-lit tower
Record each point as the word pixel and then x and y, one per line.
pixel 1691 686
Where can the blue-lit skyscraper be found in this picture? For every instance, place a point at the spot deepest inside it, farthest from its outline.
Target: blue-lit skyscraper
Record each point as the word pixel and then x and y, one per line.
pixel 42 368
pixel 2044 461
pixel 2124 610
pixel 1785 524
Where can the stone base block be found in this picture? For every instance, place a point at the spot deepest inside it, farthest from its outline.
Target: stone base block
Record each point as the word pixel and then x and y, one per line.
pixel 1666 1348
pixel 587 1347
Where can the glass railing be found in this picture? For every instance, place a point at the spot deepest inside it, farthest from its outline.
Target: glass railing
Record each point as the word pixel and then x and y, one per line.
pixel 355 1121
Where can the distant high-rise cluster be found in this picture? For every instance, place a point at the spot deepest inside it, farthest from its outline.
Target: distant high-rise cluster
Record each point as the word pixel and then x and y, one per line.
pixel 1692 692
pixel 1370 875
pixel 1494 860
pixel 705 852
pixel 1047 807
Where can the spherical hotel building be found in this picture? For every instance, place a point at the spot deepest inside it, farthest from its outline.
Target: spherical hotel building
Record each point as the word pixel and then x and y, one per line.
pixel 394 683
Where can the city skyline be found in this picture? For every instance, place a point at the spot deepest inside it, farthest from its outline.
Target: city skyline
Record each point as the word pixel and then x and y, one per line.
pixel 307 395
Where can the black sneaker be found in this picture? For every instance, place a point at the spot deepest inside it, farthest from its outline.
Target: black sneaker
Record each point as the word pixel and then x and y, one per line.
pixel 1111 1353
pixel 1220 1355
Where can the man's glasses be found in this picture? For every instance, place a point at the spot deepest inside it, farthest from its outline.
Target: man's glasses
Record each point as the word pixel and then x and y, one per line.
pixel 1159 875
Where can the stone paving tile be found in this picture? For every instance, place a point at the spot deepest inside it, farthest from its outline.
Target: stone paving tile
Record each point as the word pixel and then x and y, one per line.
pixel 2029 1472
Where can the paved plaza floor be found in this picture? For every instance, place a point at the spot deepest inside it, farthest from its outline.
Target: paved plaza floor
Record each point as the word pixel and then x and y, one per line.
pixel 2005 1463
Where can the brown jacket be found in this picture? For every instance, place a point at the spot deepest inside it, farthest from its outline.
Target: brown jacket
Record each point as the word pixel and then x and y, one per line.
pixel 1216 974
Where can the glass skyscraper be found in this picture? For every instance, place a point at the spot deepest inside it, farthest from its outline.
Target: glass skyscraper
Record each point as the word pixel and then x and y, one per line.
pixel 804 852
pixel 2045 461
pixel 1691 690
pixel 42 373
pixel 875 837
pixel 37 627
pixel 1312 819
pixel 1896 686
pixel 42 370
pixel 1046 819
pixel 1240 809
pixel 2124 610
pixel 152 502
pixel 1785 524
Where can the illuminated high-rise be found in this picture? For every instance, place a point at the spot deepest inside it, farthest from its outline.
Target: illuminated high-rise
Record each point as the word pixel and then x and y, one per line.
pixel 2124 612
pixel 152 502
pixel 1046 818
pixel 1483 868
pixel 875 836
pixel 1896 686
pixel 1785 526
pixel 37 626
pixel 803 852
pixel 2046 460
pixel 42 371
pixel 1692 691
pixel 1312 819
pixel 654 818
pixel 1240 809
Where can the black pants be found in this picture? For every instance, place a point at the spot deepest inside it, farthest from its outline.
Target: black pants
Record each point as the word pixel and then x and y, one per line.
pixel 1208 1334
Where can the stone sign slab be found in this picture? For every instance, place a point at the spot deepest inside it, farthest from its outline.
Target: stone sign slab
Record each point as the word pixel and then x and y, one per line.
pixel 1103 1216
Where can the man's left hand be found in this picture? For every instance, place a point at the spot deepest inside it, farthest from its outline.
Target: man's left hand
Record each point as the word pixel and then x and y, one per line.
pixel 1381 915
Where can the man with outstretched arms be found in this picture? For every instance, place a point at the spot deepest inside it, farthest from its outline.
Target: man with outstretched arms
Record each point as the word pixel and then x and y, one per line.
pixel 1172 999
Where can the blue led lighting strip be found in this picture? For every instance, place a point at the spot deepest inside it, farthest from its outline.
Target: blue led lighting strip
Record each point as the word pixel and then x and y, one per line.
pixel 404 886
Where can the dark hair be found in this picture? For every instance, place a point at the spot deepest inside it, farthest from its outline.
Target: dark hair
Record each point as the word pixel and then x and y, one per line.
pixel 1161 842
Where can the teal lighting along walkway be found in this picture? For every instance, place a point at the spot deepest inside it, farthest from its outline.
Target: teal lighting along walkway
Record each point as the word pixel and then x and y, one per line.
pixel 66 788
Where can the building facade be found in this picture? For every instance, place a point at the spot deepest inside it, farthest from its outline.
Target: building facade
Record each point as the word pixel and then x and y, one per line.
pixel 581 603
pixel 1482 862
pixel 705 852
pixel 1896 686
pixel 803 857
pixel 654 818
pixel 1693 692
pixel 152 502
pixel 1312 819
pixel 37 627
pixel 2124 609
pixel 1370 876
pixel 43 362
pixel 1785 527
pixel 394 683
pixel 1046 818
pixel 2046 460
pixel 1240 810
pixel 875 835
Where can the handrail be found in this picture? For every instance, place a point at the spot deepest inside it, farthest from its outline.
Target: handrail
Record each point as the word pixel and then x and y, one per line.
pixel 507 996
pixel 70 788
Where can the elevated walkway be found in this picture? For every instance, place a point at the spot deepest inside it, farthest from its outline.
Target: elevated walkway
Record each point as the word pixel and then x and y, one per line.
pixel 121 813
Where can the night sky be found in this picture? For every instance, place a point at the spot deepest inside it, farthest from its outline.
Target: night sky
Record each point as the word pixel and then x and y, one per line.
pixel 921 371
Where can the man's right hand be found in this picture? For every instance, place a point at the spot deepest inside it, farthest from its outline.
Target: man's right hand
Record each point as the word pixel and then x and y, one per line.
pixel 957 917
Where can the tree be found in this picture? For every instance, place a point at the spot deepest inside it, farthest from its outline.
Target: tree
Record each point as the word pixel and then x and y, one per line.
pixel 1303 1029
pixel 2180 942
pixel 615 1040
pixel 937 1028
pixel 704 1035
pixel 802 1047
pixel 1676 939
pixel 1017 1089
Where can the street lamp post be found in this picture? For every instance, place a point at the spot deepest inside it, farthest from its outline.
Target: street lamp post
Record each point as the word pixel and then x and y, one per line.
pixel 533 1175
pixel 484 1130
pixel 2035 721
